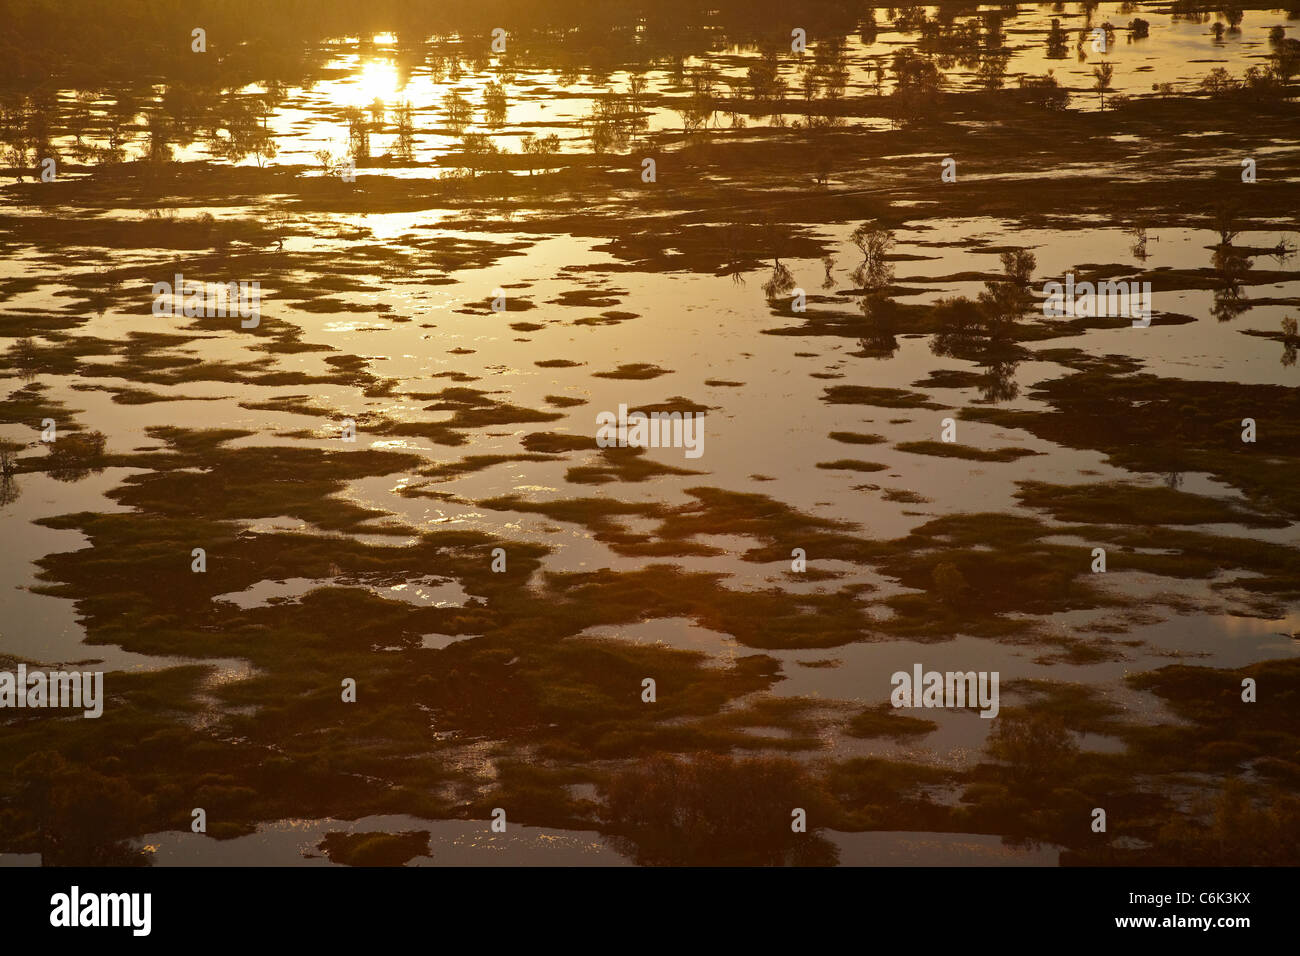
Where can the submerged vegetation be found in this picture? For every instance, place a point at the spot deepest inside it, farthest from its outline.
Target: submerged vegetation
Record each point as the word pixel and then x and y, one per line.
pixel 466 254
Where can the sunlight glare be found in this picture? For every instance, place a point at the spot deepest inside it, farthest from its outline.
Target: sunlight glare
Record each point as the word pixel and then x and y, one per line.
pixel 376 80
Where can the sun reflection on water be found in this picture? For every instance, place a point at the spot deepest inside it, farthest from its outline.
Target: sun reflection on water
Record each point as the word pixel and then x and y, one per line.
pixel 376 80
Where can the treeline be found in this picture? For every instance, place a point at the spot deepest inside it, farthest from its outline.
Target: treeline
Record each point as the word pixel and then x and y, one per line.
pixel 84 42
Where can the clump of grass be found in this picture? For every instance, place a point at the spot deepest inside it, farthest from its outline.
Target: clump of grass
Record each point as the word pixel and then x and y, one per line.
pixel 885 721
pixel 375 849
pixel 718 811
pixel 954 450
pixel 638 371
pixel 852 464
pixel 879 397
pixel 74 456
pixel 856 438
pixel 1133 505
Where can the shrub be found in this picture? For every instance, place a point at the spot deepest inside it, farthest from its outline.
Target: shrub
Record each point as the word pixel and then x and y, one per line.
pixel 717 810
pixel 918 85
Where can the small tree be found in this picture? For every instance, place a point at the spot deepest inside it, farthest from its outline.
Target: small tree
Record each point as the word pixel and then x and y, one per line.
pixel 612 122
pixel 243 120
pixel 1044 91
pixel 1058 41
pixel 458 110
pixel 358 135
pixel 960 327
pixel 541 148
pixel 1219 82
pixel 404 148
pixel 993 70
pixel 984 326
pixel 476 147
pixel 764 83
pixel 1139 247
pixel 780 283
pixel 76 455
pixel 874 242
pixel 717 810
pixel 918 85
pixel 1225 223
pixel 9 489
pixel 881 317
pixel 700 108
pixel 160 150
pixel 1005 300
pixel 495 104
pixel 1038 747
pixel 1103 73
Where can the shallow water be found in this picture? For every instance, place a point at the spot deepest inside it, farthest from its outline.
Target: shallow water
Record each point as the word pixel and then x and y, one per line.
pixel 375 309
